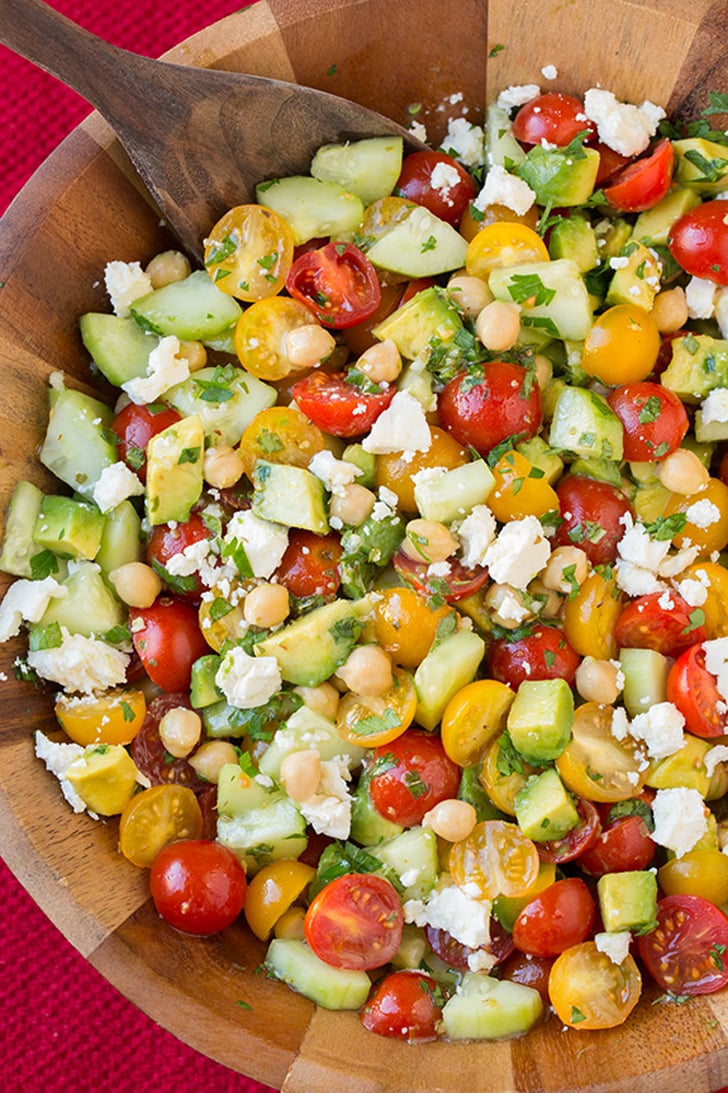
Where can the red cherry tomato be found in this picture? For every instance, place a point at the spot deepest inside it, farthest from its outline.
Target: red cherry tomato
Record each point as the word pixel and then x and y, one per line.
pixel 456 955
pixel 310 565
pixel 355 921
pixel 544 654
pixel 576 841
pixel 591 511
pixel 168 639
pixel 419 284
pixel 459 582
pixel 481 413
pixel 339 407
pixel 448 196
pixel 555 919
pixel 150 755
pixel 337 283
pixel 135 426
pixel 529 970
pixel 699 241
pixel 653 417
pixel 643 183
pixel 622 845
pixel 693 689
pixel 645 624
pixel 198 886
pixel 553 117
pixel 168 540
pixel 609 162
pixel 685 953
pixel 404 1006
pixel 410 775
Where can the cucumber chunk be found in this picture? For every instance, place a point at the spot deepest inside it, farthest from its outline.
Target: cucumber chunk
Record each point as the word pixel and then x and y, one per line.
pixel 19 546
pixel 485 1008
pixel 419 245
pixel 78 444
pixel 119 347
pixel 565 311
pixel 311 207
pixel 445 669
pixel 89 607
pixel 332 988
pixel 303 730
pixel 226 400
pixel 193 309
pixel 367 168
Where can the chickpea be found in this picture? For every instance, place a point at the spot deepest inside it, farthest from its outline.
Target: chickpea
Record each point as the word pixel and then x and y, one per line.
pixel 367 671
pixel 194 353
pixel 222 466
pixel 323 700
pixel 353 505
pixel 136 584
pixel 266 605
pixel 290 924
pixel 180 730
pixel 566 569
pixel 544 370
pixel 469 294
pixel 428 541
pixel 301 774
pixel 308 345
pixel 670 310
pixel 168 266
pixel 211 757
pixel 598 681
pixel 551 600
pixel 507 606
pixel 451 819
pixel 498 325
pixel 682 472
pixel 381 362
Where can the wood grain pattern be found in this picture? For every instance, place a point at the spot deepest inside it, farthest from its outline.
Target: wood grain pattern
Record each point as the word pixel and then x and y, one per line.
pixel 84 207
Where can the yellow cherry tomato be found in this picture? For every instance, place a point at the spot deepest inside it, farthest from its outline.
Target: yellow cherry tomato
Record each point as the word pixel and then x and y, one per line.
pixel 706 512
pixel 622 345
pixel 497 858
pixel 397 473
pixel 589 991
pixel 685 767
pixel 112 718
pixel 404 625
pixel 370 720
pixel 591 616
pixel 697 873
pixel 503 243
pixel 155 818
pixel 714 579
pixel 272 891
pixel 260 337
pixel 595 764
pixel 508 908
pixel 280 434
pixel 473 717
pixel 222 621
pixel 520 489
pixel 249 252
pixel 469 226
pixel 503 774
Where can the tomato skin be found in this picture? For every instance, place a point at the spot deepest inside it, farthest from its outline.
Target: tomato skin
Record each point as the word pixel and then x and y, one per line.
pixel 459 582
pixel 355 921
pixel 403 1006
pixel 653 417
pixel 643 183
pixel 622 845
pixel 555 919
pixel 410 776
pixel 699 241
pixel 415 184
pixel 693 689
pixel 589 991
pixel 198 886
pixel 337 283
pixel 310 564
pixel 482 414
pixel 165 542
pixel 645 624
pixel 609 162
pixel 591 511
pixel 168 639
pixel 338 407
pixel 577 841
pixel 148 751
pixel 544 654
pixel 135 426
pixel 529 970
pixel 553 117
pixel 684 954
pixel 455 954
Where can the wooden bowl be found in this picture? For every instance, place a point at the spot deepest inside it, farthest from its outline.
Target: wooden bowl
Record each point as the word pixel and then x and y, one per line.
pixel 83 208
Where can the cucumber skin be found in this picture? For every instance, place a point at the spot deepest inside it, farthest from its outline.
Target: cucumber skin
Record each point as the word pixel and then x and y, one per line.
pixel 331 988
pixel 490 1009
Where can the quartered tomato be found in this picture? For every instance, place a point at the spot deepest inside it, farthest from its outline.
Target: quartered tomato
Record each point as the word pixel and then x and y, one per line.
pixel 694 690
pixel 410 775
pixel 699 241
pixel 554 117
pixel 135 426
pixel 546 653
pixel 338 407
pixel 591 514
pixel 482 410
pixel 355 921
pixel 168 639
pixel 589 991
pixel 198 886
pixel 406 1005
pixel 577 841
pixel 622 844
pixel 643 183
pixel 249 251
pixel 438 182
pixel 557 918
pixel 685 953
pixel 460 582
pixel 653 417
pixel 648 623
pixel 337 283
pixel 310 564
pixel 497 858
pixel 168 540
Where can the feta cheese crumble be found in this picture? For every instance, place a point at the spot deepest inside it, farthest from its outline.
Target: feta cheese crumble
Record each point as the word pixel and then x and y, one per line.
pixel 336 474
pixel 247 682
pixel 80 663
pixel 57 759
pixel 165 369
pixel 116 482
pixel 519 553
pixel 502 188
pixel 714 407
pixel 661 729
pixel 401 427
pixel 328 810
pixel 465 142
pixel 517 95
pixel 27 601
pixel 700 298
pixel 623 127
pixel 465 919
pixel 680 820
pixel 476 534
pixel 264 542
pixel 125 282
pixel 615 945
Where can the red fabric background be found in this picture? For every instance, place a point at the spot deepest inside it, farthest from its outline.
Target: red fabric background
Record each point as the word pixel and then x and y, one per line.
pixel 63 1029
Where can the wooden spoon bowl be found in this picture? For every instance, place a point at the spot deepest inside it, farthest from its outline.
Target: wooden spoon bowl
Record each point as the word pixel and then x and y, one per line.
pixel 86 206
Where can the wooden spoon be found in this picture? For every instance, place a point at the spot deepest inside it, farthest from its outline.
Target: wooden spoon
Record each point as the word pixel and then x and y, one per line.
pixel 200 139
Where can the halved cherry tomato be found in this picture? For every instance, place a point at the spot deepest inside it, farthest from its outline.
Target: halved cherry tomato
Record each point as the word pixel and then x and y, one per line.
pixel 591 515
pixel 503 243
pixel 481 412
pixel 310 564
pixel 135 426
pixel 248 252
pixel 337 283
pixel 447 197
pixel 460 582
pixel 497 858
pixel 622 845
pixel 149 753
pixel 355 921
pixel 595 764
pixel 279 434
pixel 693 689
pixel 653 417
pixel 529 970
pixel 577 841
pixel 555 919
pixel 520 489
pixel 554 117
pixel 272 891
pixel 589 991
pixel 155 818
pixel 261 337
pixel 609 162
pixel 405 625
pixel 685 953
pixel 456 955
pixel 165 542
pixel 699 241
pixel 339 407
pixel 473 717
pixel 114 717
pixel 405 1006
pixel 643 183
pixel 645 623
pixel 168 639
pixel 591 616
pixel 410 775
pixel 544 654
pixel 706 517
pixel 198 886
pixel 374 720
pixel 396 470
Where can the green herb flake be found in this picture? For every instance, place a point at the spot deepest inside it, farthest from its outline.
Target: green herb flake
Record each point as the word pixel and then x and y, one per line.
pixel 126 711
pixel 43 564
pixel 189 455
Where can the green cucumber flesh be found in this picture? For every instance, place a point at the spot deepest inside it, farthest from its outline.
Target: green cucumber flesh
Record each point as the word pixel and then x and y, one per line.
pixel 332 988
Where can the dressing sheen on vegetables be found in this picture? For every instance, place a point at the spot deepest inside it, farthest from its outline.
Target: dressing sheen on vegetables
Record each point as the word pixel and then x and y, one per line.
pixel 387 608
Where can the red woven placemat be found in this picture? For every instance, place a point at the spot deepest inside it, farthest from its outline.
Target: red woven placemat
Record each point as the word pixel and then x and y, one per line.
pixel 63 1028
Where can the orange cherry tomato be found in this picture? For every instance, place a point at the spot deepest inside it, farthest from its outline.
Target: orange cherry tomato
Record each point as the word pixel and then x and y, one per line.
pixel 370 720
pixel 272 891
pixel 155 818
pixel 497 858
pixel 249 252
pixel 503 243
pixel 397 473
pixel 520 489
pixel 595 764
pixel 622 345
pixel 706 517
pixel 112 718
pixel 589 991
pixel 405 626
pixel 473 717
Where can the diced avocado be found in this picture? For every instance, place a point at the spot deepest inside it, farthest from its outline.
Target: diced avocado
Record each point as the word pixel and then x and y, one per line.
pixel 313 208
pixel 119 347
pixel 310 649
pixel 303 730
pixel 89 606
pixel 289 495
pixel 552 295
pixel 653 226
pixel 193 309
pixel 649 501
pixel 412 855
pixel 701 165
pixel 501 147
pixel 365 461
pixel 120 538
pixel 454 493
pixel 258 824
pixel 685 767
pixel 540 455
pixel 585 424
pixel 605 470
pixel 368 168
pixel 368 826
pixel 471 790
pixel 544 808
pixel 558 176
pixel 203 689
pixel 550 396
pixel 573 237
pixel 507 908
pixel 612 236
pixel 484 1008
pixel 698 364
pixel 710 432
pixel 428 315
pixel 447 667
pixel 70 528
pixel 539 721
pixel 412 948
pixel 418 245
pixel 174 470
pixel 78 444
pixel 19 546
pixel 366 550
pixel 332 988
pixel 637 282
pixel 418 382
pixel 104 777
pixel 628 901
pixel 225 398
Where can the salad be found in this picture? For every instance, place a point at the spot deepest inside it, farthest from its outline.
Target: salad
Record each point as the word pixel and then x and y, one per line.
pixel 384 594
